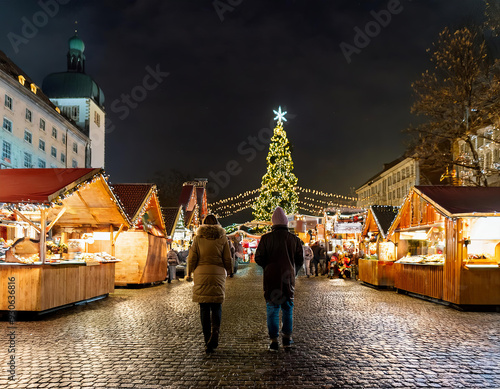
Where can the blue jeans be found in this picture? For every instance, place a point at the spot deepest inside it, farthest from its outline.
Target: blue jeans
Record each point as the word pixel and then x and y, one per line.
pixel 172 270
pixel 273 319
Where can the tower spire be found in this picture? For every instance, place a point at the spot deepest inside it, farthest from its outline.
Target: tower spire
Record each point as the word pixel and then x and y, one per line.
pixel 76 58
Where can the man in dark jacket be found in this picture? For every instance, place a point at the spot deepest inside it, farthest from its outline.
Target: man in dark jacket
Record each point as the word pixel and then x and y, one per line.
pixel 280 254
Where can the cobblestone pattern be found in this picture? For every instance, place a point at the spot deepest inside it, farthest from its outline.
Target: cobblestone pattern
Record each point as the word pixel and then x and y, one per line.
pixel 347 336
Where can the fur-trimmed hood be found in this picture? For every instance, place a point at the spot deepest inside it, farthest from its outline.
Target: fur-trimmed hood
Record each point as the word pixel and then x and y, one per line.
pixel 210 231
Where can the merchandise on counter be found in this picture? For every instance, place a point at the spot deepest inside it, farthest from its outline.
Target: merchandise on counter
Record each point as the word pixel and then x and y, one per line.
pixel 437 259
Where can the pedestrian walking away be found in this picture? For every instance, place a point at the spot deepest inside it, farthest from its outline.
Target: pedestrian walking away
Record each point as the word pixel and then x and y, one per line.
pixel 317 254
pixel 210 261
pixel 308 256
pixel 172 261
pixel 280 254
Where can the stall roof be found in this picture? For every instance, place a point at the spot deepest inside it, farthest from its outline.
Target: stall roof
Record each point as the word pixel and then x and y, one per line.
pixel 171 216
pixel 77 197
pixel 382 216
pixel 134 197
pixel 40 185
pixel 462 200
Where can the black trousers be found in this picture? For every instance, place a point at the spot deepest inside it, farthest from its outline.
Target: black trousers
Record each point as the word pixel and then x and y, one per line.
pixel 211 316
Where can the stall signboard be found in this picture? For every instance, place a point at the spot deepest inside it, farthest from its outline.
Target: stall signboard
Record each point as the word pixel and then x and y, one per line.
pixel 348 228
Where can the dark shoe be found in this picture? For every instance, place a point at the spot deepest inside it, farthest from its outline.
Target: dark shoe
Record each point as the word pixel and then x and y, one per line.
pixel 209 350
pixel 169 281
pixel 287 342
pixel 274 346
pixel 213 343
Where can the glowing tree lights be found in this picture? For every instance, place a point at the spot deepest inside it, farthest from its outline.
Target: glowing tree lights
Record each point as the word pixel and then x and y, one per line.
pixel 278 184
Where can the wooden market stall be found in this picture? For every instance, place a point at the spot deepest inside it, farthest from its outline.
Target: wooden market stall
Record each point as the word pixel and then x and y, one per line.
pixel 48 218
pixel 143 248
pixel 377 267
pixel 448 244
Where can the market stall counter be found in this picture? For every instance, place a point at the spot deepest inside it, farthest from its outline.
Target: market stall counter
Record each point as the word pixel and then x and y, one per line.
pixel 48 219
pixel 448 244
pixel 377 266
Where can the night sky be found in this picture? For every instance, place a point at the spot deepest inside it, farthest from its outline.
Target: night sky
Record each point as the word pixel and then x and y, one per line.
pixel 228 70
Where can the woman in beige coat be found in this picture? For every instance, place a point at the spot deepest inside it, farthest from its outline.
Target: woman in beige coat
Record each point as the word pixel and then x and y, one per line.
pixel 210 261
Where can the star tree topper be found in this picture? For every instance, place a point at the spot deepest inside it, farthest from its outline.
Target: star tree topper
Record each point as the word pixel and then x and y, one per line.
pixel 280 116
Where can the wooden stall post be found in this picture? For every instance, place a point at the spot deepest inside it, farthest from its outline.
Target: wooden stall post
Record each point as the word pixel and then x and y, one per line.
pixel 111 238
pixel 43 234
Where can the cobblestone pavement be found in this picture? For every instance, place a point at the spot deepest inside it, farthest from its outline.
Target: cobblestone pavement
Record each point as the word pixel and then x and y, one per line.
pixel 347 336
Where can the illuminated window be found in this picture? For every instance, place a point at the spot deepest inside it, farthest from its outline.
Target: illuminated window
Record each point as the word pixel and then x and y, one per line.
pixel 97 119
pixel 33 88
pixel 21 79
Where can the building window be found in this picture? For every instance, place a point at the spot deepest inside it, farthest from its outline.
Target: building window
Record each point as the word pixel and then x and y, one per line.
pixel 28 137
pixel 41 144
pixel 27 160
pixel 53 152
pixel 28 115
pixel 75 147
pixel 54 132
pixel 21 79
pixel 41 163
pixel 64 139
pixel 8 102
pixel 63 158
pixel 6 151
pixel 74 163
pixel 42 124
pixel 399 177
pixel 73 112
pixel 97 119
pixel 7 125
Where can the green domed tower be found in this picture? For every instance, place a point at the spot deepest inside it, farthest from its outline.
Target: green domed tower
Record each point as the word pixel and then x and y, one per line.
pixel 80 99
pixel 76 58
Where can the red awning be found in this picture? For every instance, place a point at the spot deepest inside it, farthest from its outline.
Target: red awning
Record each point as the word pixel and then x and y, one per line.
pixel 39 185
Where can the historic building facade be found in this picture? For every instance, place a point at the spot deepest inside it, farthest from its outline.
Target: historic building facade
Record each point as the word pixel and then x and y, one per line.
pixel 486 143
pixel 391 185
pixel 34 133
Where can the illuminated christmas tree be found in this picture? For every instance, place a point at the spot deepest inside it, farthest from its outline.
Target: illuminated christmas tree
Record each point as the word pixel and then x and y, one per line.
pixel 278 184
